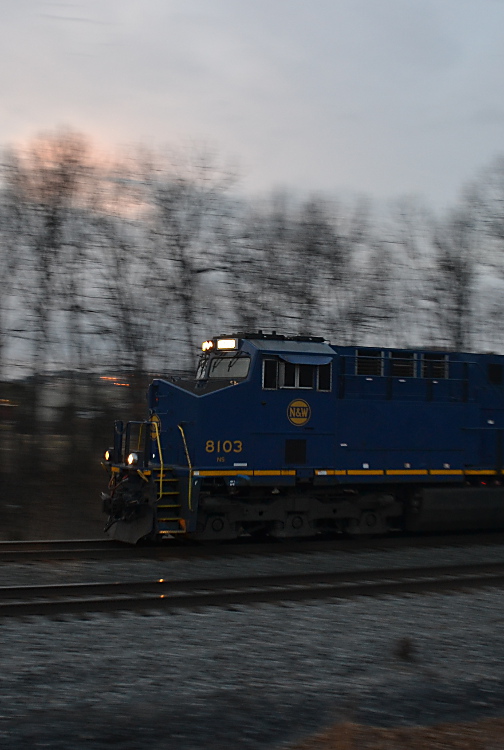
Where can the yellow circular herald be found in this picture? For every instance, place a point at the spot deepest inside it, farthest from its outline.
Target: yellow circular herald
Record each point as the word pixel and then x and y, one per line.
pixel 298 412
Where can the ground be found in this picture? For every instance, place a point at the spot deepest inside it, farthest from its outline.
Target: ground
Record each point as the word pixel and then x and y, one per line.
pixel 483 735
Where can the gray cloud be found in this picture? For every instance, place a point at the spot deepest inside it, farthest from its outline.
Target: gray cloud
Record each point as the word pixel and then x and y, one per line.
pixel 393 97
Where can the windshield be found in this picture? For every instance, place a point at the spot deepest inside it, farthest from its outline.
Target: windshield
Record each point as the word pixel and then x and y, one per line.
pixel 200 372
pixel 229 366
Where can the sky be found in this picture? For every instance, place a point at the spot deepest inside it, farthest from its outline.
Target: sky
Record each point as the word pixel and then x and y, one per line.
pixel 379 97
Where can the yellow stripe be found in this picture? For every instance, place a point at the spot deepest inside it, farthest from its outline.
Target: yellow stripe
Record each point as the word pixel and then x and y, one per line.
pixel 446 471
pixel 247 472
pixel 480 471
pixel 338 472
pixel 400 472
pixel 374 472
pixel 272 473
pixel 222 473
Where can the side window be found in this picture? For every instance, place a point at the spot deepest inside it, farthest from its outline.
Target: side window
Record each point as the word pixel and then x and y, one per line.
pixel 435 366
pixel 402 364
pixel 277 374
pixel 296 376
pixel 494 372
pixel 287 375
pixel 324 378
pixel 270 374
pixel 306 373
pixel 368 362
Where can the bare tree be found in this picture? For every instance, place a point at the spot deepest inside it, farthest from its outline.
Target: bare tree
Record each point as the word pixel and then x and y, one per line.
pixel 487 193
pixel 457 243
pixel 187 212
pixel 409 231
pixel 259 271
pixel 296 266
pixel 45 182
pixel 345 270
pixel 11 224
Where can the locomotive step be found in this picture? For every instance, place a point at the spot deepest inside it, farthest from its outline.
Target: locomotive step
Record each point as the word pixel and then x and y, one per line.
pixel 169 518
pixel 170 524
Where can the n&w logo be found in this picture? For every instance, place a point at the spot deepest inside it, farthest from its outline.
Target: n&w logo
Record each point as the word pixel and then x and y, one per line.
pixel 298 412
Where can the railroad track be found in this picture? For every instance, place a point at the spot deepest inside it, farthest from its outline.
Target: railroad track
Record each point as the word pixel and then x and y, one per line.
pixel 64 549
pixel 17 601
pixel 108 549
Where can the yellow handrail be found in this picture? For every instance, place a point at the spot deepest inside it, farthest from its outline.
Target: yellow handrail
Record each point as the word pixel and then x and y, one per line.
pixel 161 463
pixel 139 440
pixel 189 494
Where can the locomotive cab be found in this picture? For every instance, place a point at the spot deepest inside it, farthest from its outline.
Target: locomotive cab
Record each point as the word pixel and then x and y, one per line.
pixel 222 359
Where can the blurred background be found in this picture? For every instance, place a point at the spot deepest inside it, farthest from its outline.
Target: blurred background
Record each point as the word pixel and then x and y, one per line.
pixel 172 172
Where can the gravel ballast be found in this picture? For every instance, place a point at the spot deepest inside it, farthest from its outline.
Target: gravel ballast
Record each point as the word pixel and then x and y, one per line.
pixel 248 677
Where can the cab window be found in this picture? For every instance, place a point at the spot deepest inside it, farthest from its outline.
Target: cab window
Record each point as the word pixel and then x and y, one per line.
pixel 229 366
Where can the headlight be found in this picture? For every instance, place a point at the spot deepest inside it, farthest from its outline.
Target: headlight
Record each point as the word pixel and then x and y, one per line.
pixel 132 459
pixel 227 344
pixel 109 454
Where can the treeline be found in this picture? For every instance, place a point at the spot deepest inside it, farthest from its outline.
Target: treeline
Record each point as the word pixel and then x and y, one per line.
pixel 120 267
pixel 128 263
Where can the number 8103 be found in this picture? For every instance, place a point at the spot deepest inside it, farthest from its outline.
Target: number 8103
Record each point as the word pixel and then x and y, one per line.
pixel 223 446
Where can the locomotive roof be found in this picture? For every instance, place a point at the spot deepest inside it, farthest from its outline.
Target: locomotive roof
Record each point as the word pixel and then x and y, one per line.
pixel 298 347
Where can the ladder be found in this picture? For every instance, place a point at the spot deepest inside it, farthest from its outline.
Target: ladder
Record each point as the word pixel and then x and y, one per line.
pixel 169 503
pixel 168 490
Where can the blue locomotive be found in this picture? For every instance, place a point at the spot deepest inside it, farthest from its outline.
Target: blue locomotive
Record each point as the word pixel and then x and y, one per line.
pixel 290 436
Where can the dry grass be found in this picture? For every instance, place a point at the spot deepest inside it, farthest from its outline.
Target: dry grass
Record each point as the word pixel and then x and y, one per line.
pixel 487 734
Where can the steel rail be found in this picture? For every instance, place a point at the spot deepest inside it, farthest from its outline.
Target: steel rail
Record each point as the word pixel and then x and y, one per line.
pixel 175 548
pixel 194 594
pixel 61 549
pixel 50 544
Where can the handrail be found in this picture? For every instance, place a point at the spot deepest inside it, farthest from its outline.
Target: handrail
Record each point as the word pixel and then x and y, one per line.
pixel 161 463
pixel 140 434
pixel 189 494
